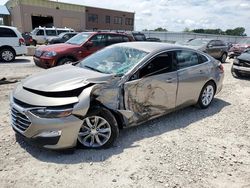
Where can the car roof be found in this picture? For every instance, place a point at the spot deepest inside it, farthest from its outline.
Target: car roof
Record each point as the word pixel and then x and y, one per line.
pixel 150 46
pixel 8 27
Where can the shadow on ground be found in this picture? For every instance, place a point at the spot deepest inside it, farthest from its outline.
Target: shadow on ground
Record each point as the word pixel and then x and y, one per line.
pixel 127 138
pixel 17 60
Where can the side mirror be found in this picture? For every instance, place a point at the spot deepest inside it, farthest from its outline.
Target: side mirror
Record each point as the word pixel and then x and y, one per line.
pixel 209 45
pixel 89 44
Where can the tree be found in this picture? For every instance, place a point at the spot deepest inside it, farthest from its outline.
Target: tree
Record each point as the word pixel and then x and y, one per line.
pixel 186 29
pixel 160 29
pixel 238 31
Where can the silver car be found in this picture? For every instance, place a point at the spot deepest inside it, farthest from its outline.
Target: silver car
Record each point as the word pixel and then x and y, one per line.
pixel 122 85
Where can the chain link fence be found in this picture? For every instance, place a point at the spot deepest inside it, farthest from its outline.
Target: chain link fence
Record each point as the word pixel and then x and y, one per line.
pixel 172 37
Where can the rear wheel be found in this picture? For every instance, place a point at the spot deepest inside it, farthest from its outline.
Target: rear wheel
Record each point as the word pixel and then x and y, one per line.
pixel 99 130
pixel 7 55
pixel 64 61
pixel 206 95
pixel 223 58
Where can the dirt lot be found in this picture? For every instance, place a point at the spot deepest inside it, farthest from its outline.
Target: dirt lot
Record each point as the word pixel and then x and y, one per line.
pixel 188 148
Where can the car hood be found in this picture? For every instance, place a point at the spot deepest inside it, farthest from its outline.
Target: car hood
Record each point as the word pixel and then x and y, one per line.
pixel 57 47
pixel 244 57
pixel 64 78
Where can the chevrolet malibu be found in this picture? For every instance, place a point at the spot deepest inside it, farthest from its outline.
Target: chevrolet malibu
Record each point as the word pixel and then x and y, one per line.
pixel 125 84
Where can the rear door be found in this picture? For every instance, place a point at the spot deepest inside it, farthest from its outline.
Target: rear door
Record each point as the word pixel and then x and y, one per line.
pixel 151 91
pixel 193 72
pixel 40 36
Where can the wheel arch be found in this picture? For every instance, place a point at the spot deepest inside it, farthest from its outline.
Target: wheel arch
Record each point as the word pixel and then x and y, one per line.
pixel 8 47
pixel 66 56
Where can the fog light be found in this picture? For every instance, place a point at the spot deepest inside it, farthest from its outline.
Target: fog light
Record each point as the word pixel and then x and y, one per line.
pixel 49 134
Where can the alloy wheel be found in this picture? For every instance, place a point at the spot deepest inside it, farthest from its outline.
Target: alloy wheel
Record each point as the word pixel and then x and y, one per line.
pixel 95 132
pixel 207 95
pixel 7 55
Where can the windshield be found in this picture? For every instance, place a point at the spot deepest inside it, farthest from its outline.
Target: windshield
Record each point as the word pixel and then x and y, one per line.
pixel 198 42
pixel 62 34
pixel 79 39
pixel 244 41
pixel 113 60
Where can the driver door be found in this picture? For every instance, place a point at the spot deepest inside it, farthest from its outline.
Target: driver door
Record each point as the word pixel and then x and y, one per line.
pixel 151 91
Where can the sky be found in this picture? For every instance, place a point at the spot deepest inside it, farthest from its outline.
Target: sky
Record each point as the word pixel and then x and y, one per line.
pixel 176 15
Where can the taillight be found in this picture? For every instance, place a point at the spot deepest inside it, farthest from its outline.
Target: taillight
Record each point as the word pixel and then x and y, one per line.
pixel 21 42
pixel 221 68
pixel 31 40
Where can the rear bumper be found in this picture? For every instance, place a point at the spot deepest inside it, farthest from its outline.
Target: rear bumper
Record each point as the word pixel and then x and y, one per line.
pixel 21 50
pixel 44 63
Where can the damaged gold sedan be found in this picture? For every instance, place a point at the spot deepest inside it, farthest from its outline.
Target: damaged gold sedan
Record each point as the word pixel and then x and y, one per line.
pixel 120 86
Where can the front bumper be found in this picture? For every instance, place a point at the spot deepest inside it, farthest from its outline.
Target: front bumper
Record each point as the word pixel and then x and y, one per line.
pixel 44 62
pixel 51 133
pixel 241 69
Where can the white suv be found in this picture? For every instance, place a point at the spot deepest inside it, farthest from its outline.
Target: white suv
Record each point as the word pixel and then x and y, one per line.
pixel 11 44
pixel 42 34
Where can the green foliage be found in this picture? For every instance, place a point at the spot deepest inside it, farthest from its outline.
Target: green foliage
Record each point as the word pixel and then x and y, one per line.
pixel 239 31
pixel 160 29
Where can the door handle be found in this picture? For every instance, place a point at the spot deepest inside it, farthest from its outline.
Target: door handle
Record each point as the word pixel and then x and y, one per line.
pixel 202 72
pixel 169 80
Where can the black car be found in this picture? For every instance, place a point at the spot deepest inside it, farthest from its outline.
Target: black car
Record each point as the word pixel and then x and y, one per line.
pixel 63 37
pixel 153 39
pixel 241 64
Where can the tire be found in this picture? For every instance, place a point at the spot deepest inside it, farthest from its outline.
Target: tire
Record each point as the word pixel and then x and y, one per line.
pixel 207 95
pixel 99 130
pixel 64 61
pixel 223 58
pixel 7 55
pixel 34 42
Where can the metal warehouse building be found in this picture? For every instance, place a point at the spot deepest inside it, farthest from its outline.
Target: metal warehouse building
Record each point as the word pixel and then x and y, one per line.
pixel 28 14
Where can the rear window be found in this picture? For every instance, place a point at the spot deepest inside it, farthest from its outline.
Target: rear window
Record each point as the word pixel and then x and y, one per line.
pixel 6 32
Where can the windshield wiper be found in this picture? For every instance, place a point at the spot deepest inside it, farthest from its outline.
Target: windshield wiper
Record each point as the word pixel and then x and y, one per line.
pixel 91 68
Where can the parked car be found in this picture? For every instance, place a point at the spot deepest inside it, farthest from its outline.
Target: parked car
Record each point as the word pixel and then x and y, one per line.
pixel 28 39
pixel 216 48
pixel 238 48
pixel 11 44
pixel 63 37
pixel 41 34
pixel 241 64
pixel 76 48
pixel 153 39
pixel 122 85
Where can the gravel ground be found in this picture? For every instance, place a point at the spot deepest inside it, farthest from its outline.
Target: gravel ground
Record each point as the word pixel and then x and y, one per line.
pixel 187 148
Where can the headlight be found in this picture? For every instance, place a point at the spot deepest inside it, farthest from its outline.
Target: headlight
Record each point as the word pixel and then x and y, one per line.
pixel 51 113
pixel 49 54
pixel 236 62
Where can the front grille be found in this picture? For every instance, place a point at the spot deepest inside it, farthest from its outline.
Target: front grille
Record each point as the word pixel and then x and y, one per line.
pixel 38 53
pixel 19 120
pixel 244 63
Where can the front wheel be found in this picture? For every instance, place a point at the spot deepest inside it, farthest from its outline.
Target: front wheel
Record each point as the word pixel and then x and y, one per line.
pixel 206 95
pixel 236 73
pixel 99 130
pixel 64 61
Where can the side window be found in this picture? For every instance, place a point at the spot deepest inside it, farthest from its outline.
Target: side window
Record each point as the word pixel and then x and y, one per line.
pixel 212 43
pixel 51 32
pixel 125 39
pixel 40 33
pixel 66 37
pixel 113 39
pixel 186 59
pixel 202 59
pixel 162 63
pixel 59 31
pixel 220 43
pixel 5 32
pixel 98 40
